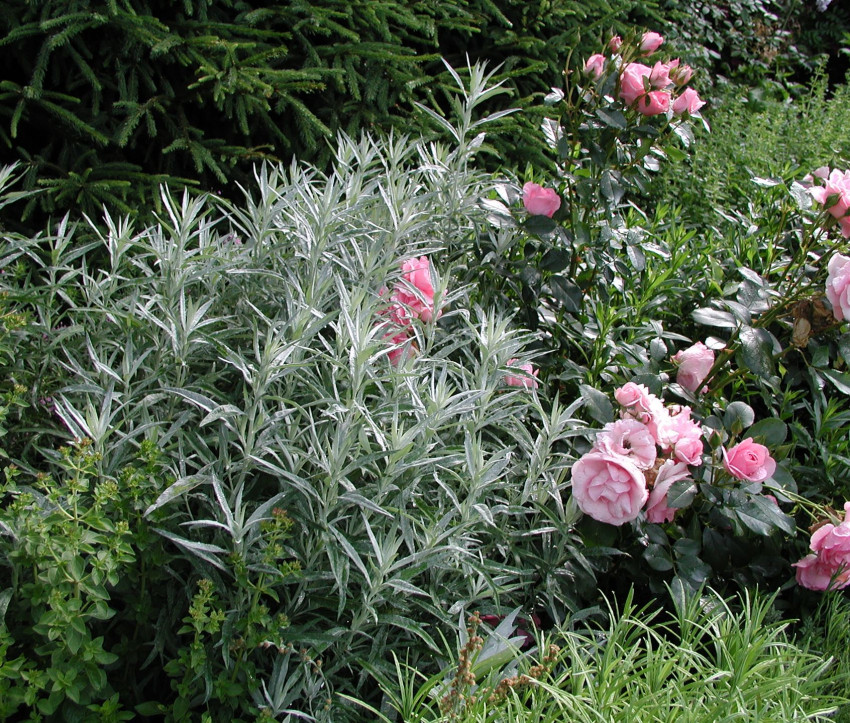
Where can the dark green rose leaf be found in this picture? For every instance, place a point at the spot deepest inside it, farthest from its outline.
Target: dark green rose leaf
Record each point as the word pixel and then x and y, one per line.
pixel 756 351
pixel 556 260
pixel 597 404
pixel 539 225
pixel 714 317
pixel 658 558
pixel 612 118
pixel 738 417
pixel 567 293
pixel 771 431
pixel 681 494
pixel 840 380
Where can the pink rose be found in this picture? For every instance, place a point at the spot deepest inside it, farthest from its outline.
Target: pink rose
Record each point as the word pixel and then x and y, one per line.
pixel 829 566
pixel 595 66
pixel 650 42
pixel 635 398
pixel 615 43
pixel 688 102
pixel 749 461
pixel 694 363
pixel 657 510
pixel 539 201
pixel 631 82
pixel 659 76
pixel 401 349
pixel 836 185
pixel 608 487
pixel 628 438
pixel 653 103
pixel 529 381
pixel 415 294
pixel 838 286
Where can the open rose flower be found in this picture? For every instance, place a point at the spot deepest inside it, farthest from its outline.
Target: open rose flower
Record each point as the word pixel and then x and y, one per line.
pixel 628 438
pixel 608 487
pixel 749 461
pixel 657 510
pixel 632 84
pixel 828 567
pixel 838 286
pixel 694 364
pixel 539 201
pixel 528 381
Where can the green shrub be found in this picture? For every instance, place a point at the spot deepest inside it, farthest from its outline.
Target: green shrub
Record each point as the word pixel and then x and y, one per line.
pixel 103 101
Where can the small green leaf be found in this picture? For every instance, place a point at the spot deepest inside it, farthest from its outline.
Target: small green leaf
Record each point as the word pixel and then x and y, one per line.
pixel 597 404
pixel 714 317
pixel 658 558
pixel 770 432
pixel 539 225
pixel 756 351
pixel 613 119
pixel 738 417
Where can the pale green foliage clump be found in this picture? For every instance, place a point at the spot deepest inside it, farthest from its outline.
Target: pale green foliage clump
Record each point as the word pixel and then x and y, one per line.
pixel 243 341
pixel 713 659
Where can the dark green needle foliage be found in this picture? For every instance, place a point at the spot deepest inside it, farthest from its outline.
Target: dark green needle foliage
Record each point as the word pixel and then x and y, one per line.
pixel 104 100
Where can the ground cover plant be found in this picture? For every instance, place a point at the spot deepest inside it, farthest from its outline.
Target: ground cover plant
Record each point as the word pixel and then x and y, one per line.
pixel 260 448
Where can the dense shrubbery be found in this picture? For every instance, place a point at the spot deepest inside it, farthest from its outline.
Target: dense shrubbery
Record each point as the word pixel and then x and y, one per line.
pixel 261 447
pixel 103 101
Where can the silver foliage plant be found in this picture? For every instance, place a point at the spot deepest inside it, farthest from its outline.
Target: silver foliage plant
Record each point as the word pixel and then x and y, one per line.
pixel 242 339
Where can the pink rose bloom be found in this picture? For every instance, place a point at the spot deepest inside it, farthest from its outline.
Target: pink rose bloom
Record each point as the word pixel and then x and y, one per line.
pixel 657 510
pixel 749 461
pixel 650 42
pixel 416 292
pixel 615 43
pixel 529 382
pixel 653 103
pixel 829 566
pixel 595 66
pixel 401 350
pixel 631 82
pixel 608 487
pixel 837 184
pixel 838 286
pixel 694 364
pixel 629 438
pixel 659 76
pixel 689 101
pixel 634 397
pixel 539 201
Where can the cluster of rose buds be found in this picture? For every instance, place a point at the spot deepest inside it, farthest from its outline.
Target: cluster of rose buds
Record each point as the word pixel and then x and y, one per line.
pixel 651 90
pixel 411 298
